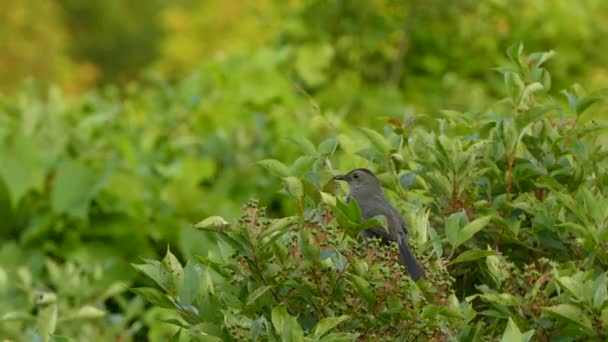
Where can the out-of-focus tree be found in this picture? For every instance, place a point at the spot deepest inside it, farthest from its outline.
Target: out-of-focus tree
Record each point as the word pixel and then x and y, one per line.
pixel 198 30
pixel 33 42
pixel 118 38
pixel 439 51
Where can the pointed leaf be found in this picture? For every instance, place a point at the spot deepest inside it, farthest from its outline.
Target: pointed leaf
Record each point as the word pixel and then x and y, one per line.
pixel 453 225
pixel 571 313
pixel 190 285
pixel 513 334
pixel 363 287
pixel 257 293
pixel 156 272
pixel 22 167
pixel 377 140
pixel 326 324
pixel 212 223
pixel 153 296
pixel 174 268
pixel 73 189
pixel 471 255
pixel 328 146
pixel 294 186
pixel 585 103
pixel 471 229
pixel 376 221
pixel 286 325
pixel 305 145
pixel 275 167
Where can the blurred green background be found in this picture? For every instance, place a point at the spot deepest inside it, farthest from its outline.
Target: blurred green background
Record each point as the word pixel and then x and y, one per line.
pixel 123 122
pixel 437 47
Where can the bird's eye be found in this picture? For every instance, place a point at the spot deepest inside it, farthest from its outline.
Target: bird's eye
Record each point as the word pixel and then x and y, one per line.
pixel 356 175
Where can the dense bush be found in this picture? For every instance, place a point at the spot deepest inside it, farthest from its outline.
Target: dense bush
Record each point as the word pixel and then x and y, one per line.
pixel 505 207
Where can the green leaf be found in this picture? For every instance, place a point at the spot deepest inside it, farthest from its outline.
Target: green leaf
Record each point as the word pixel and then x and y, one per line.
pixel 275 167
pixel 604 318
pixel 363 287
pixel 326 324
pixel 351 209
pixel 339 337
pixel 539 58
pixel 585 103
pixel 155 271
pixel 471 255
pixel 22 167
pixel 73 189
pixel 188 289
pixel 572 101
pixel 407 179
pixel 525 118
pixel 85 312
pixel 154 296
pixel 279 227
pixel 340 262
pixel 221 269
pixel 513 334
pixel 328 146
pixel 514 86
pixel 531 89
pixel 294 186
pixel 438 182
pixel 376 221
pixel 212 223
pixel 470 229
pixel 500 298
pixel 176 336
pixel 260 329
pixel 600 291
pixel 453 224
pixel 47 321
pixel 311 62
pixel 286 325
pixel 524 171
pixel 308 248
pixel 377 140
pixel 302 165
pixel 257 293
pixel 570 313
pixel 174 269
pixel 576 287
pixel 17 316
pixel 278 317
pixel 305 145
pixel 328 199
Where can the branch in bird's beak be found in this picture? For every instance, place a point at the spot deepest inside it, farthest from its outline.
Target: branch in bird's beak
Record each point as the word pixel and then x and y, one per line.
pixel 340 177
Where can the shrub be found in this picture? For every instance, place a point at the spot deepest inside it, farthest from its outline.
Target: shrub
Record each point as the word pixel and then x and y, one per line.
pixel 505 208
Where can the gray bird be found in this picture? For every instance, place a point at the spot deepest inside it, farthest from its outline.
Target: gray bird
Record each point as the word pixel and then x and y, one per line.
pixel 365 188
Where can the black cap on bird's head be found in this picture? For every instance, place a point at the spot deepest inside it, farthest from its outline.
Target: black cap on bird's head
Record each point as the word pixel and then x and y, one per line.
pixel 359 178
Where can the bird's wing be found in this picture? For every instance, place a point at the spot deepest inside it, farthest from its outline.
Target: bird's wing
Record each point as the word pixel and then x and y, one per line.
pixel 372 207
pixel 400 222
pixel 397 231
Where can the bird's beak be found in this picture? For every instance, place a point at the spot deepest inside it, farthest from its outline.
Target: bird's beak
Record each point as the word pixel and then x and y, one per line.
pixel 340 177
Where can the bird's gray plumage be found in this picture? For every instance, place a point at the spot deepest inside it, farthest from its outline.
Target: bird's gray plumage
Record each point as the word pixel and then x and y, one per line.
pixel 365 188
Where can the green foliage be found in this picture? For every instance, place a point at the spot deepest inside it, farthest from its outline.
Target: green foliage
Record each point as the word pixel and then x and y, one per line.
pixel 505 207
pixel 295 280
pixel 504 201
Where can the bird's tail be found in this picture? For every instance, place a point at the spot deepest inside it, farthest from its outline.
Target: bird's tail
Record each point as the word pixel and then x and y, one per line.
pixel 409 260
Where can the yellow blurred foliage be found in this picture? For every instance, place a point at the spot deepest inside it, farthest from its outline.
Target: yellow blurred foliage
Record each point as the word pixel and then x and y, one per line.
pixel 32 40
pixel 210 29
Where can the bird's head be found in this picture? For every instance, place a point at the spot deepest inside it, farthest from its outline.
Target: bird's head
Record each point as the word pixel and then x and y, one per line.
pixel 361 181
